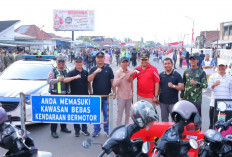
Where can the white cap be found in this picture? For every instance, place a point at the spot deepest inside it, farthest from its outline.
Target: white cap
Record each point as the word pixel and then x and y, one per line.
pixel 222 62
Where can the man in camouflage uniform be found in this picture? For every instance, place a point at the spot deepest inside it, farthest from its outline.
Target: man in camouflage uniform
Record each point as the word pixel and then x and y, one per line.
pixel 194 81
pixel 20 55
pixel 9 58
pixel 2 60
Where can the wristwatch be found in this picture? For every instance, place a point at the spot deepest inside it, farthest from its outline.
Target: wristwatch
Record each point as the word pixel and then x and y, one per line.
pixel 156 96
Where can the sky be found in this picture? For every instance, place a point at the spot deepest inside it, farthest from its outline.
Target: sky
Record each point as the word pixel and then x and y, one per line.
pixel 156 20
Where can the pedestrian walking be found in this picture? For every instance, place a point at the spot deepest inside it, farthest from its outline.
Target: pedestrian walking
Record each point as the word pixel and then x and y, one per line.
pixel 194 81
pixel 89 60
pixel 220 85
pixel 202 55
pixel 107 58
pixel 102 77
pixel 117 55
pixel 174 57
pixel 207 66
pixel 124 90
pixel 9 58
pixel 134 56
pixel 181 59
pixel 58 87
pixel 79 85
pixel 94 52
pixel 187 59
pixel 215 56
pixel 147 81
pixel 171 83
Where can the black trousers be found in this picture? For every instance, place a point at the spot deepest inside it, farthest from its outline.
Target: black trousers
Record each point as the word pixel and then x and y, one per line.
pixel 198 106
pixel 77 127
pixel 54 127
pixel 211 109
pixel 133 62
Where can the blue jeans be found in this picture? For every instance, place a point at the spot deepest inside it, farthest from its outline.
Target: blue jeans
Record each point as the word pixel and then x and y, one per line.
pixel 215 61
pixel 97 127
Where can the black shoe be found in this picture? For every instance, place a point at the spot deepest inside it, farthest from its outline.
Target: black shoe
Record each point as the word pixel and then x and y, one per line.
pixel 86 133
pixel 77 134
pixel 54 135
pixel 66 130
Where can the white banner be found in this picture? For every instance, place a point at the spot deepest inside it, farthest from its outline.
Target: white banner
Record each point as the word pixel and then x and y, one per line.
pixel 73 20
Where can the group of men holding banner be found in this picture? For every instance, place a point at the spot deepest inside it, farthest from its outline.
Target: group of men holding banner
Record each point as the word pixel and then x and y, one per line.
pixel 77 82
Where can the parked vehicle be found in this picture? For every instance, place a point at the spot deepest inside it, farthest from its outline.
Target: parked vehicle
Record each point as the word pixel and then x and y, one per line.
pixel 119 142
pixel 16 141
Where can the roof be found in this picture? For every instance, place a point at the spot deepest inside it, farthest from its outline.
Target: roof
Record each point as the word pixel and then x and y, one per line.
pixel 6 24
pixel 34 31
pixel 222 42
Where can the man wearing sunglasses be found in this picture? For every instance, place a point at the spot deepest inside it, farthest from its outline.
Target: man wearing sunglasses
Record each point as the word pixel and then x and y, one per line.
pixel 57 86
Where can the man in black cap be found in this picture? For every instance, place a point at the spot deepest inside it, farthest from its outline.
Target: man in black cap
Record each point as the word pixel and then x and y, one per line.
pixel 79 85
pixel 147 80
pixel 194 80
pixel 102 77
pixel 124 90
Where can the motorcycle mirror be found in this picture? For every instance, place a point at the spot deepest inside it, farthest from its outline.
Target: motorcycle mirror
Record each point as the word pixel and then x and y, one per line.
pixel 221 106
pixel 193 143
pixel 146 147
pixel 87 143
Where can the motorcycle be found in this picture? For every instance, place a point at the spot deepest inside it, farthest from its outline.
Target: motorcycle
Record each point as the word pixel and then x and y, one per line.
pixel 18 143
pixel 170 143
pixel 121 144
pixel 214 143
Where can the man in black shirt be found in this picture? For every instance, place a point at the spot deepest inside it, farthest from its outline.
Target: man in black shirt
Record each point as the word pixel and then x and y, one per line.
pixel 170 83
pixel 117 55
pixel 79 85
pixel 134 57
pixel 102 77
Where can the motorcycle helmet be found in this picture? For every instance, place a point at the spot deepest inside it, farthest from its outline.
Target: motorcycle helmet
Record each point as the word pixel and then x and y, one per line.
pixel 186 112
pixel 61 56
pixel 3 115
pixel 144 114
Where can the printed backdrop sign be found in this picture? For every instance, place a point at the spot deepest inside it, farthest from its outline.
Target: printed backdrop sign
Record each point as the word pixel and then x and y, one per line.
pixel 66 109
pixel 73 20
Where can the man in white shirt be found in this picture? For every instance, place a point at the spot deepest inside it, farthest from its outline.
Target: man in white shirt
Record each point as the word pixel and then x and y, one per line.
pixel 207 66
pixel 220 85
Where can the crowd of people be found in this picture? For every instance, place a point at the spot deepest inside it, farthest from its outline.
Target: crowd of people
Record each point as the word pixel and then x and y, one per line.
pixel 162 89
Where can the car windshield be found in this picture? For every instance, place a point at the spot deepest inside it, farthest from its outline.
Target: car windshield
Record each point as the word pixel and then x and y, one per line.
pixel 23 71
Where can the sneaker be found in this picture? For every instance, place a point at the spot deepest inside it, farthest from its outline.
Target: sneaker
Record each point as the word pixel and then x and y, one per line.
pixel 107 134
pixel 77 134
pixel 86 133
pixel 95 133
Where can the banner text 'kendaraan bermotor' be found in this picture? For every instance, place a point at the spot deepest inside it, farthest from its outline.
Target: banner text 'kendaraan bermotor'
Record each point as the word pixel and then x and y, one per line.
pixel 66 109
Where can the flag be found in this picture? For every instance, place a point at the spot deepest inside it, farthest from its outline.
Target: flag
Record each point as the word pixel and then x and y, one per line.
pixel 41 28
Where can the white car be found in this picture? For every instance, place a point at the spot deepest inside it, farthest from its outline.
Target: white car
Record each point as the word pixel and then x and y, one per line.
pixel 28 76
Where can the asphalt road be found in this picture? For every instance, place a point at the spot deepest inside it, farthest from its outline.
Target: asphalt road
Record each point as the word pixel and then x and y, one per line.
pixel 67 145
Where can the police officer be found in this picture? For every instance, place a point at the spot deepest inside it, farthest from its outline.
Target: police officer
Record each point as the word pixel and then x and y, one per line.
pixel 20 55
pixel 2 58
pixel 9 58
pixel 57 86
